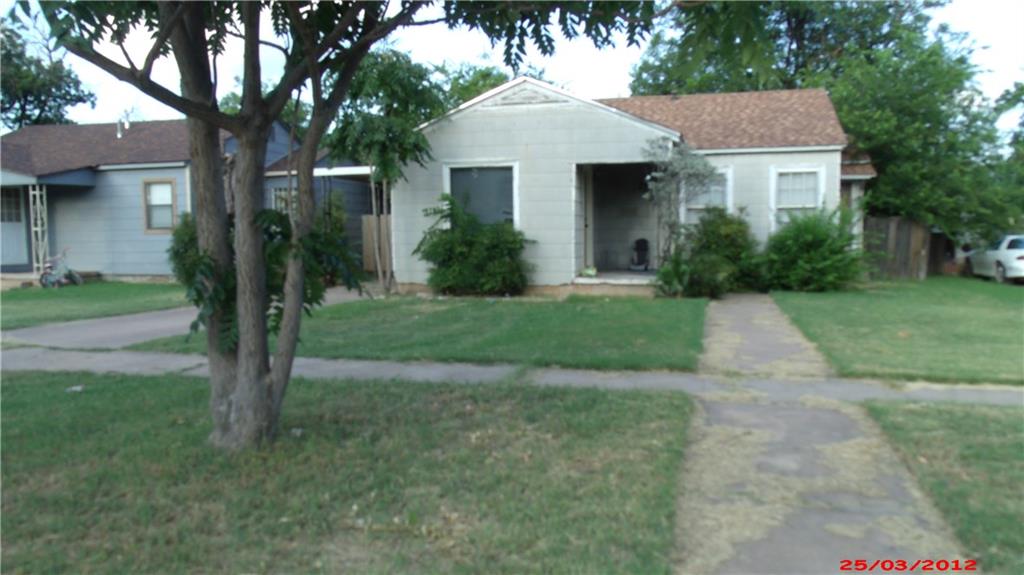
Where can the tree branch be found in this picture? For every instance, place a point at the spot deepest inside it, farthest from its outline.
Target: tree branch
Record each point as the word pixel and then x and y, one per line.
pixel 154 90
pixel 280 95
pixel 267 43
pixel 161 38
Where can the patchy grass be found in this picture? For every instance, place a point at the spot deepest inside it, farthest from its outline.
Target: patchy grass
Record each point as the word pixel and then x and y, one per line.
pixel 581 332
pixel 386 477
pixel 24 307
pixel 941 329
pixel 970 460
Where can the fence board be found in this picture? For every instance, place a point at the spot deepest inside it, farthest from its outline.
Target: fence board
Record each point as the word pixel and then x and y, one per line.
pixel 897 248
pixel 369 262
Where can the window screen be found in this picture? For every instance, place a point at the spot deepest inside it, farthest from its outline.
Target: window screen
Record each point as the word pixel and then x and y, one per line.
pixel 796 193
pixel 10 206
pixel 714 196
pixel 797 190
pixel 484 192
pixel 159 206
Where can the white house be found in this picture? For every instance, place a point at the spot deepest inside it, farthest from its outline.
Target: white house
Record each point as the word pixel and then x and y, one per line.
pixel 570 172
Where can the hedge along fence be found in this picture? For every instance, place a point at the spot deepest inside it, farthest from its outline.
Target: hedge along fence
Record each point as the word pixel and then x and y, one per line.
pixel 897 248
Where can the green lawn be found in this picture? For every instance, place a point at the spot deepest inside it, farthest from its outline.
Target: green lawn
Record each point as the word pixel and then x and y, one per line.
pixel 585 332
pixel 23 307
pixel 386 477
pixel 941 329
pixel 970 460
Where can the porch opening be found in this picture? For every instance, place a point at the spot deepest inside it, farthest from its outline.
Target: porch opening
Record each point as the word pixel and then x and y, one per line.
pixel 620 226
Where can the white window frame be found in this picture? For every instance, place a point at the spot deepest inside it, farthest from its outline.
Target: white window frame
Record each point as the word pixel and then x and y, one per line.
pixel 723 170
pixel 773 200
pixel 446 174
pixel 293 198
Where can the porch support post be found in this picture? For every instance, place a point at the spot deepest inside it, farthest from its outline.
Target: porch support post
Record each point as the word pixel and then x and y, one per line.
pixel 40 235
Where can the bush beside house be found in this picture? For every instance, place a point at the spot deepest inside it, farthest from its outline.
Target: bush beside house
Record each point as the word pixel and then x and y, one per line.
pixel 469 257
pixel 812 252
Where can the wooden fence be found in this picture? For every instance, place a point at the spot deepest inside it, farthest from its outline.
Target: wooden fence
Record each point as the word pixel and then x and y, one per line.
pixel 896 248
pixel 369 261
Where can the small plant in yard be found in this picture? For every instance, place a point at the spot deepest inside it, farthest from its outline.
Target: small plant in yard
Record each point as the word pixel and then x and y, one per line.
pixel 470 257
pixel 718 254
pixel 814 252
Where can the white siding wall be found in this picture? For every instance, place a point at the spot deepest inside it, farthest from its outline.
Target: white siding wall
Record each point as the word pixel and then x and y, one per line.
pixel 546 137
pixel 752 181
pixel 105 226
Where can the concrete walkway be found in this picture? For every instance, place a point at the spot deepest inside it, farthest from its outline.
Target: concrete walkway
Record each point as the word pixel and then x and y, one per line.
pixel 123 330
pixel 703 386
pixel 747 334
pixel 784 476
pixel 796 488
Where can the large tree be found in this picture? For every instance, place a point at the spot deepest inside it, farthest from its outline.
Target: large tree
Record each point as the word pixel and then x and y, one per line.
pixel 35 89
pixel 325 43
pixel 904 94
pixel 464 82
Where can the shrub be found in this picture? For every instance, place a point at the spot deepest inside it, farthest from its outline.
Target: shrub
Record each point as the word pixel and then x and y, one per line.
pixel 813 252
pixel 324 252
pixel 673 276
pixel 469 257
pixel 718 254
pixel 711 275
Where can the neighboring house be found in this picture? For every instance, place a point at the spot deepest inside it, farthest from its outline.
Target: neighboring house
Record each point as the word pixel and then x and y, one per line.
pixel 570 172
pixel 113 193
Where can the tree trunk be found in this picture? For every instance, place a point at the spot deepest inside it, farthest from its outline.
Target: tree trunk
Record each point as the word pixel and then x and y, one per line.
pixel 206 173
pixel 375 208
pixel 247 413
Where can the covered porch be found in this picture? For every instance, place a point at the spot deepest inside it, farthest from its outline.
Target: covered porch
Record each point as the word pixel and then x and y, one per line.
pixel 617 228
pixel 24 226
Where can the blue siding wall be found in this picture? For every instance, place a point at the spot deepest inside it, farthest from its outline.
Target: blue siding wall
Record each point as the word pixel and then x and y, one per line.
pixel 105 226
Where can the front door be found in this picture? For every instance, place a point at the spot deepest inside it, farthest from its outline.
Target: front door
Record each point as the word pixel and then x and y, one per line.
pixel 13 228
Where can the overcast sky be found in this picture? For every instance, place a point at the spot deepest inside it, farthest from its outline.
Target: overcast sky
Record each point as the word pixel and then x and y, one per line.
pixel 993 25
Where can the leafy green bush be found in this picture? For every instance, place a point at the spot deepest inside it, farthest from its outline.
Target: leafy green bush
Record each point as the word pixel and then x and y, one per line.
pixel 673 276
pixel 711 275
pixel 324 252
pixel 718 254
pixel 813 252
pixel 469 257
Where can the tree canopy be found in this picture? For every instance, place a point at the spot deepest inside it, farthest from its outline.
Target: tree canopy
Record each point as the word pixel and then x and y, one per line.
pixel 906 96
pixel 33 89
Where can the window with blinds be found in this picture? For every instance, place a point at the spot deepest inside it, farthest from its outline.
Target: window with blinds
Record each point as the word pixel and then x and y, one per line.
pixel 716 196
pixel 795 193
pixel 159 199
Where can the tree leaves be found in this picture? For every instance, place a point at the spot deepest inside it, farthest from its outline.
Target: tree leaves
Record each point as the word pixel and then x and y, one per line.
pixel 34 90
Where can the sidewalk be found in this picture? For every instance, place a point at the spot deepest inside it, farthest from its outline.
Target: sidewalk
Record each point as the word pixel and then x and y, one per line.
pixel 123 330
pixel 708 387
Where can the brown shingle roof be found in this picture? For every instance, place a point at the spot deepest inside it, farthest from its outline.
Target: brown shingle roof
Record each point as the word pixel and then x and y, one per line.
pixel 857 164
pixel 770 119
pixel 53 148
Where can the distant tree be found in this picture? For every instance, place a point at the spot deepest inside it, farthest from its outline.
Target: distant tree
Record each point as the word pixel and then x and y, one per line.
pixel 35 90
pixel 467 81
pixel 390 97
pixel 691 51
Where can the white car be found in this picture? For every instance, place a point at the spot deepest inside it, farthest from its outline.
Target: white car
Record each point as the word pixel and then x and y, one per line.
pixel 1003 260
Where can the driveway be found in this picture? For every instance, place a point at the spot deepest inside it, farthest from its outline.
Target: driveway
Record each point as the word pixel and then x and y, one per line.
pixel 123 330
